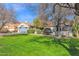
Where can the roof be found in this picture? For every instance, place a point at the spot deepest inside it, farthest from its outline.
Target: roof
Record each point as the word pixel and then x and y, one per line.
pixel 23 24
pixel 49 24
pixel 17 24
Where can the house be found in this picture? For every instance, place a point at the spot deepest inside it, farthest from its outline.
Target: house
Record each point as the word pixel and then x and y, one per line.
pixel 23 27
pixel 19 27
pixel 65 28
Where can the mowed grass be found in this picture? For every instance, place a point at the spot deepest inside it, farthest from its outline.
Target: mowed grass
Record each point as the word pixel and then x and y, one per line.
pixel 31 45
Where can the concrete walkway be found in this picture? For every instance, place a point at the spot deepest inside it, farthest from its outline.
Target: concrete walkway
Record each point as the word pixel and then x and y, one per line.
pixel 2 34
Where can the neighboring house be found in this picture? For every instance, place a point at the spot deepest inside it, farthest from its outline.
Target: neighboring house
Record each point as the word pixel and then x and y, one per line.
pixel 17 27
pixel 11 27
pixel 65 28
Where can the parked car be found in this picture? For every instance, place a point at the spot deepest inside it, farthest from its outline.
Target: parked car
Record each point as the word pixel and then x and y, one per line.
pixel 47 31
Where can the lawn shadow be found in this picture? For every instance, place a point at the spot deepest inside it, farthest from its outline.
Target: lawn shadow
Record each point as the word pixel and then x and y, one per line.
pixel 71 48
pixel 41 40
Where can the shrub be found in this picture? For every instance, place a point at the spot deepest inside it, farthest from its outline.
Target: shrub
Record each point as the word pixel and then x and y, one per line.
pixel 39 31
pixel 31 30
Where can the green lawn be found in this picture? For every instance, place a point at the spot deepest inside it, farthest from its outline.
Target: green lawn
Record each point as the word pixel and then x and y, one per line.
pixel 35 45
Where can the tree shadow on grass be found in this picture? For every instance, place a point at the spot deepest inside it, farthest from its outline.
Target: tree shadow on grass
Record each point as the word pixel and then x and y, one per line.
pixel 71 47
pixel 41 39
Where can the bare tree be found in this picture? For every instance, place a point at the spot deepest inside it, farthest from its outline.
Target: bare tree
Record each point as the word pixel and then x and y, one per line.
pixel 5 16
pixel 57 12
pixel 61 12
pixel 42 14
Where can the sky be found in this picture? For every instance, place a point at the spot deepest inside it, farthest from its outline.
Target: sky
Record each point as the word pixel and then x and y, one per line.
pixel 24 12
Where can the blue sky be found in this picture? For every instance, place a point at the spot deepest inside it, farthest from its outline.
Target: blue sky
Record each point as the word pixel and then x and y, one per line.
pixel 24 12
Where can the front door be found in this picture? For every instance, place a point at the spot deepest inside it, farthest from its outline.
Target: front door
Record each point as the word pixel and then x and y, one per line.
pixel 22 29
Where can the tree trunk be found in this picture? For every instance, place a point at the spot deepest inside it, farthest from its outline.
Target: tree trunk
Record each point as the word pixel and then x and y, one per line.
pixel 77 34
pixel 35 31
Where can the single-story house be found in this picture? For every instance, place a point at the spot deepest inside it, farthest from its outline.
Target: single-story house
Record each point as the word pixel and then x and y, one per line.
pixel 22 28
pixel 64 28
